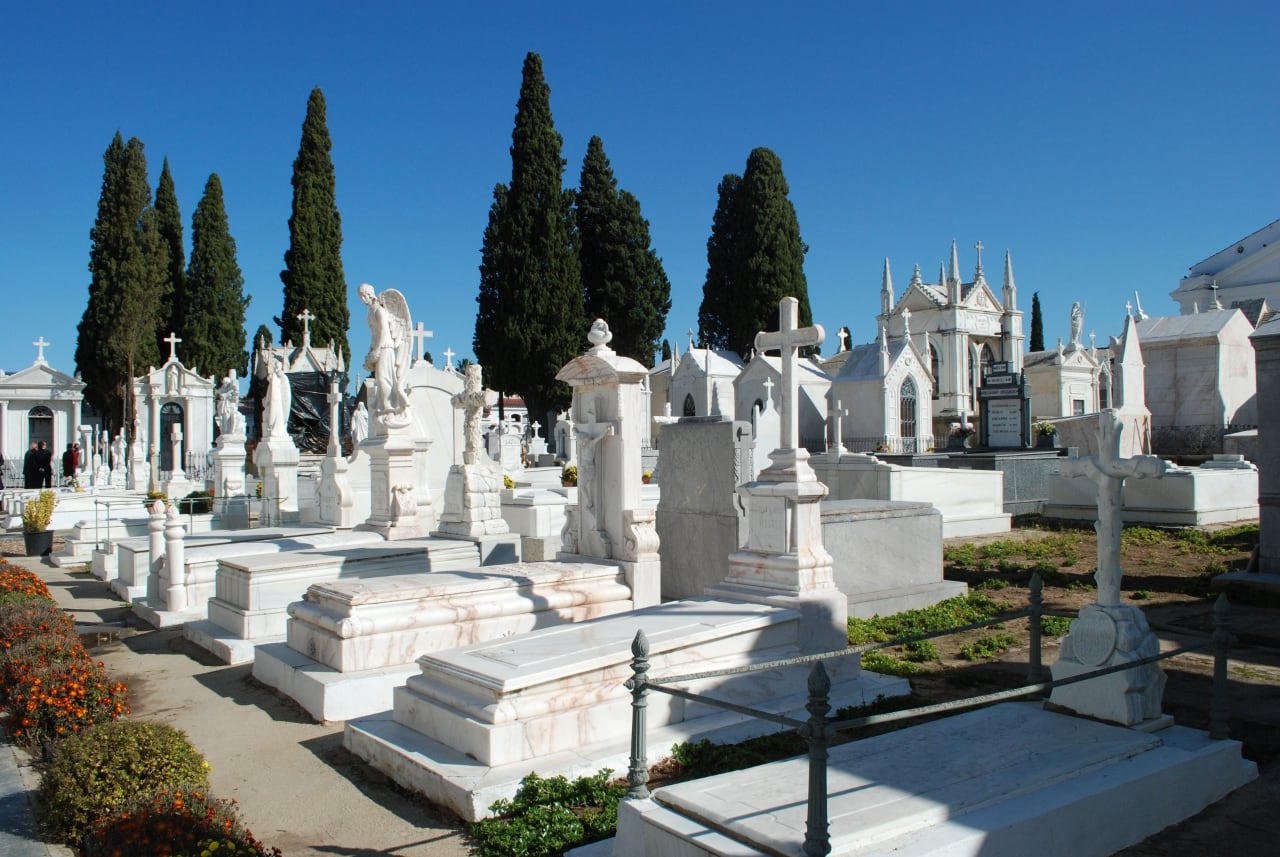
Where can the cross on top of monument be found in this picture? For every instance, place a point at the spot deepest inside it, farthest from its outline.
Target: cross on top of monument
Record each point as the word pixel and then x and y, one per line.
pixel 40 345
pixel 420 336
pixel 979 248
pixel 788 340
pixel 173 341
pixel 306 318
pixel 768 390
pixel 448 360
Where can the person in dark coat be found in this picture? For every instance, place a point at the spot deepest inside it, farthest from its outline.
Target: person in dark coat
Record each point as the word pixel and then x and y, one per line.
pixel 30 469
pixel 44 463
pixel 69 462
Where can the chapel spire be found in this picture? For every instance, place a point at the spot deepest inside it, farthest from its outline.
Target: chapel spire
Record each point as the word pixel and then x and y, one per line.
pixel 953 276
pixel 886 290
pixel 1010 288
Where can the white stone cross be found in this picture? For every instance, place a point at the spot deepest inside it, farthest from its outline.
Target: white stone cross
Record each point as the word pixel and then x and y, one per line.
pixel 979 248
pixel 788 340
pixel 448 360
pixel 306 318
pixel 691 339
pixel 173 341
pixel 837 413
pixel 536 426
pixel 420 336
pixel 768 392
pixel 906 322
pixel 1108 471
pixel 40 345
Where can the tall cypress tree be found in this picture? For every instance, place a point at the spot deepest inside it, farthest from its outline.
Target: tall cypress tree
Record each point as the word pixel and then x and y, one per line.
pixel 530 320
pixel 169 222
pixel 215 301
pixel 313 277
pixel 622 276
pixel 755 257
pixel 128 265
pixel 715 311
pixel 1037 324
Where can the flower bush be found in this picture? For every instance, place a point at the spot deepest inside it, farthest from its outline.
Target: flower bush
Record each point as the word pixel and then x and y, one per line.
pixel 1045 428
pixel 103 768
pixel 569 476
pixel 962 429
pixel 49 686
pixel 37 513
pixel 18 584
pixel 507 481
pixel 182 822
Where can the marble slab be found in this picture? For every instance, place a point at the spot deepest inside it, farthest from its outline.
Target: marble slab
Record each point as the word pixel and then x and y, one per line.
pixel 1186 497
pixel 1008 780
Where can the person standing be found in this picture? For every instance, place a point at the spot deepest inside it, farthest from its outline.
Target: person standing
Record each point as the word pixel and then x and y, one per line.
pixel 30 470
pixel 69 463
pixel 44 464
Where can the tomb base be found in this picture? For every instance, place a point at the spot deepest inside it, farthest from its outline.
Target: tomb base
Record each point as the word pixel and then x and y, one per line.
pixel 1104 636
pixel 496 549
pixel 393 500
pixel 1014 780
pixel 472 501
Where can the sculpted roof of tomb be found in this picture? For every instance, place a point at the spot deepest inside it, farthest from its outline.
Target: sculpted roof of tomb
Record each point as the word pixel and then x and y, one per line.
pixel 1068 356
pixel 1246 246
pixel 707 361
pixel 864 361
pixel 1255 310
pixel 40 375
pixel 1210 324
pixel 810 373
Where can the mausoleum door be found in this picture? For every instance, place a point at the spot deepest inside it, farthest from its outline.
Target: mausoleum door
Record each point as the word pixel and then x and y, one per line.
pixel 171 414
pixel 690 410
pixel 40 426
pixel 907 415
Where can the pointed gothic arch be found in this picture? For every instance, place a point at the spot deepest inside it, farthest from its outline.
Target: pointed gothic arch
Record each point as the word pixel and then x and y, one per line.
pixel 907 401
pixel 689 409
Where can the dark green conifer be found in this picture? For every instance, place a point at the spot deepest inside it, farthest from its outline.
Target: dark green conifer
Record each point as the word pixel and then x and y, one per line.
pixel 169 222
pixel 1037 324
pixel 216 303
pixel 716 310
pixel 313 277
pixel 530 320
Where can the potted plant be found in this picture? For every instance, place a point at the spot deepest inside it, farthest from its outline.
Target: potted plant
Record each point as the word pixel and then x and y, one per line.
pixel 569 476
pixel 36 515
pixel 1046 434
pixel 647 476
pixel 960 434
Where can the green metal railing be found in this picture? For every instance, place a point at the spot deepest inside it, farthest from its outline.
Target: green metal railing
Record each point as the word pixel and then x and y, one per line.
pixel 819 728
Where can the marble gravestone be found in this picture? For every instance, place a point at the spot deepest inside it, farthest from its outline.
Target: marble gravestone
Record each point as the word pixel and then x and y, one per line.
pixel 1108 633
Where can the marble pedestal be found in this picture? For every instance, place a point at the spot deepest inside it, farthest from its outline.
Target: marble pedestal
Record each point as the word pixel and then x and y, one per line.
pixel 336 500
pixel 472 502
pixel 229 499
pixel 393 503
pixel 537 516
pixel 277 460
pixel 475 720
pixel 350 643
pixel 1104 636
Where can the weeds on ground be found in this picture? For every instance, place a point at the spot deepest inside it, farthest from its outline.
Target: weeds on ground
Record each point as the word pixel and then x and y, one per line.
pixel 987 647
pixel 963 610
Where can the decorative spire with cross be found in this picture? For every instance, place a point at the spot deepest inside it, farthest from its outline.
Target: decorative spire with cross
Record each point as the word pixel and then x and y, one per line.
pixel 906 323
pixel 788 340
pixel 306 318
pixel 173 341
pixel 691 339
pixel 979 248
pixel 420 336
pixel 41 345
pixel 448 360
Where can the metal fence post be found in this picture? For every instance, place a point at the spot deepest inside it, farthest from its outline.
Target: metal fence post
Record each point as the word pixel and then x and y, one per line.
pixel 1219 704
pixel 817 836
pixel 638 771
pixel 1035 668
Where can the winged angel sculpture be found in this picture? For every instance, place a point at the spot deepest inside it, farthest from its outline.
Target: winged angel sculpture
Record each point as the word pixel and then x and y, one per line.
pixel 389 354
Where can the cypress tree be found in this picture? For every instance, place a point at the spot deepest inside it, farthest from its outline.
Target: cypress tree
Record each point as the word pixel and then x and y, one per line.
pixel 714 313
pixel 755 257
pixel 666 350
pixel 128 265
pixel 530 320
pixel 622 276
pixel 1037 324
pixel 213 330
pixel 313 277
pixel 169 222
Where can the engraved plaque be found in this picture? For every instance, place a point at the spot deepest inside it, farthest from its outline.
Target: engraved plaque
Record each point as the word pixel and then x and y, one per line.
pixel 1093 638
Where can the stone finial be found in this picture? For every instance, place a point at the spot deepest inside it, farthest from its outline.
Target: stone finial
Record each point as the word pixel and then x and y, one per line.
pixel 599 336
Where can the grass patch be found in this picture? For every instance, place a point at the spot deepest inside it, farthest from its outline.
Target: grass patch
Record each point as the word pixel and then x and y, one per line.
pixel 987 647
pixel 921 651
pixel 1140 595
pixel 991 584
pixel 964 610
pixel 877 661
pixel 1054 626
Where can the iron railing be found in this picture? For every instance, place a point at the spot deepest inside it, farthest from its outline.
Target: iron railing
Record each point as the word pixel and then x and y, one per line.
pixel 819 728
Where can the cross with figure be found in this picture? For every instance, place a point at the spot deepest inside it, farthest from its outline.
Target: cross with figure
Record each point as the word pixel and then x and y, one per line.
pixel 40 345
pixel 788 339
pixel 306 318
pixel 1108 471
pixel 173 341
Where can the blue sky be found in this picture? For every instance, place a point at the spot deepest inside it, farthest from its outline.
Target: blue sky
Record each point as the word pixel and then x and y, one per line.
pixel 1109 146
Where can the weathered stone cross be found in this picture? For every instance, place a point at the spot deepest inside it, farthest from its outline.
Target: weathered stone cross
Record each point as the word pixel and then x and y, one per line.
pixel 420 336
pixel 40 344
pixel 788 340
pixel 306 318
pixel 1108 471
pixel 173 341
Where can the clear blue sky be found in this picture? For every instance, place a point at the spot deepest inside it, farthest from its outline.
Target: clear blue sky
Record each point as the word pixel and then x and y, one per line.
pixel 1109 145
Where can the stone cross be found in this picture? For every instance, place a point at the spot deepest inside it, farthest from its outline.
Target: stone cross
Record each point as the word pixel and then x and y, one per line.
pixel 788 340
pixel 691 339
pixel 768 391
pixel 420 336
pixel 334 398
pixel 175 435
pixel 536 426
pixel 472 401
pixel 844 339
pixel 1108 471
pixel 837 413
pixel 979 248
pixel 906 323
pixel 173 341
pixel 448 360
pixel 306 318
pixel 40 345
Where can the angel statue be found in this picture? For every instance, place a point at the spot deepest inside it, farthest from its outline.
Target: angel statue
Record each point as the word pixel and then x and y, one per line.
pixel 389 354
pixel 230 420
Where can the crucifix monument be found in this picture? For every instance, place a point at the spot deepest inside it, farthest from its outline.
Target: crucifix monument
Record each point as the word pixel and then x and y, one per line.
pixel 782 560
pixel 1107 632
pixel 337 505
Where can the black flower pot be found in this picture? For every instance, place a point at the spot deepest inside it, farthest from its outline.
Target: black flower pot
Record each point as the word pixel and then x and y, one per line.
pixel 38 544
